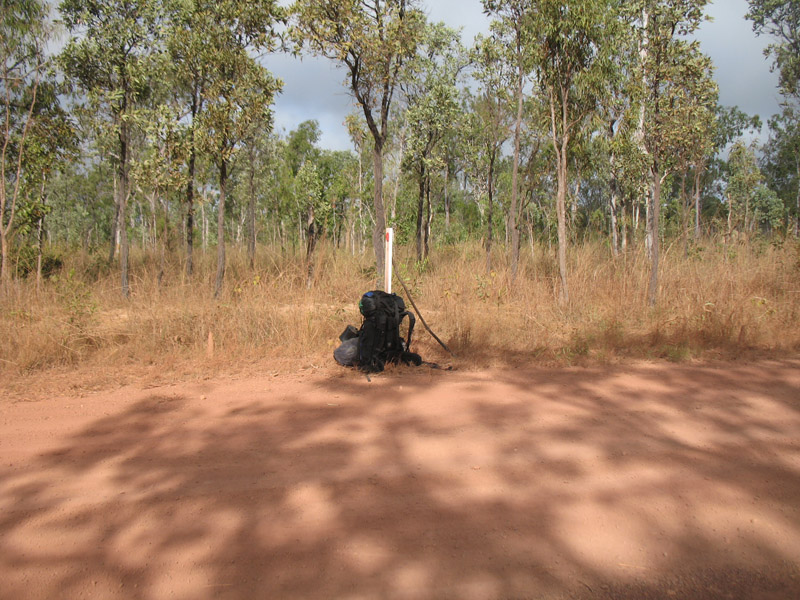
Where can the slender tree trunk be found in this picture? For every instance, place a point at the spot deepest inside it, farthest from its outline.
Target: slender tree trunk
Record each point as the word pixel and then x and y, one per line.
pixel 203 225
pixel 515 183
pixel 122 191
pixel 614 195
pixel 446 198
pixel 428 215
pixel 360 232
pixel 144 227
pixel 153 224
pixel 311 244
pixel 684 214
pixel 393 212
pixel 561 193
pixel 190 213
pixel 490 215
pixel 654 203
pixel 420 209
pixel 697 181
pixel 648 233
pixel 39 252
pixel 8 209
pixel 614 220
pixel 251 217
pixel 223 180
pixel 5 267
pixel 623 230
pixel 190 185
pixel 164 244
pixel 114 224
pixel 380 214
pixel 561 203
pixel 644 49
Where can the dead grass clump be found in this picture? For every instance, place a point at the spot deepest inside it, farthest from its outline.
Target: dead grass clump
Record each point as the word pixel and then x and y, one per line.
pixel 716 302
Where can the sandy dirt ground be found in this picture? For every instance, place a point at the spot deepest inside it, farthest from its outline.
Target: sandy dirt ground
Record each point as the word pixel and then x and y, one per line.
pixel 634 482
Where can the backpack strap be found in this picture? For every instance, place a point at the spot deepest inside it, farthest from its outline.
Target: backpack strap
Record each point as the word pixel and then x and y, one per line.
pixel 412 320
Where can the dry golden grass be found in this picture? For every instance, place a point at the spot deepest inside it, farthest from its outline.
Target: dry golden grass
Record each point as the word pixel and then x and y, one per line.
pixel 716 303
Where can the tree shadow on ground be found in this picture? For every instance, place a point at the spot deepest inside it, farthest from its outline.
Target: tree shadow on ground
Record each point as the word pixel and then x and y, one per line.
pixel 631 483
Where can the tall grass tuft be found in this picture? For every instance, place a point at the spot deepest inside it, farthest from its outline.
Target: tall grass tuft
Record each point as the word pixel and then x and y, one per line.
pixel 717 301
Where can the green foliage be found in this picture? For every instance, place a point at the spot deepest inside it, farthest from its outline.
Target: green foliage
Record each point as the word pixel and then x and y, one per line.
pixel 743 180
pixel 433 112
pixel 111 54
pixel 373 39
pixel 26 260
pixel 76 297
pixel 768 210
pixel 239 90
pixel 780 19
pixel 602 99
pixel 24 144
pixel 781 162
pixel 301 145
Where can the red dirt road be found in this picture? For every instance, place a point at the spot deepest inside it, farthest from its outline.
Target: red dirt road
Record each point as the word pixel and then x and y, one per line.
pixel 638 481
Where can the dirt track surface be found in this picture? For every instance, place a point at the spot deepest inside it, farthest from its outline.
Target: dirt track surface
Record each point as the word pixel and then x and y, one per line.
pixel 641 481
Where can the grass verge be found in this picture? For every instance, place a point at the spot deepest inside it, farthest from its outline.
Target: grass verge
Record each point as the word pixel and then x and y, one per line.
pixel 716 302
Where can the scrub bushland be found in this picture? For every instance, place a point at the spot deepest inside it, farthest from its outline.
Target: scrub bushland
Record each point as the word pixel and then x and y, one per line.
pixel 716 301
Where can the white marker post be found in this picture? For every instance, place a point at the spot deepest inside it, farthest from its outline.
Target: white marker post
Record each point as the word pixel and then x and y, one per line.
pixel 387 271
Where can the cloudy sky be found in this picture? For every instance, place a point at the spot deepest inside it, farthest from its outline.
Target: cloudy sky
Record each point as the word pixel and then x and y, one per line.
pixel 314 89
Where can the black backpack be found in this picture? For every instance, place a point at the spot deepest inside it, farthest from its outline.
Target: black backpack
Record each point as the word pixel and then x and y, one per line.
pixel 379 340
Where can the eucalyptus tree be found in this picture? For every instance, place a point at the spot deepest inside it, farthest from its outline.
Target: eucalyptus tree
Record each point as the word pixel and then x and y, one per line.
pixel 744 177
pixel 301 155
pixel 782 159
pixel 357 129
pixel 238 91
pixel 730 124
pixel 308 191
pixel 627 169
pixel 50 144
pixel 322 184
pixel 752 205
pixel 491 123
pixel 110 56
pixel 269 186
pixel 339 173
pixel 692 115
pixel 433 110
pixel 671 67
pixel 511 25
pixel 301 145
pixel 780 20
pixel 190 22
pixel 260 152
pixel 615 124
pixel 574 42
pixel 158 171
pixel 23 37
pixel 373 40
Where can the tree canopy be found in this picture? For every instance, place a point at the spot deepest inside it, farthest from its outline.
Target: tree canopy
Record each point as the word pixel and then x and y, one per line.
pixel 567 121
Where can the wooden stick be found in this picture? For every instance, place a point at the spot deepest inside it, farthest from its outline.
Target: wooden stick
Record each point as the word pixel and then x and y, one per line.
pixel 421 318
